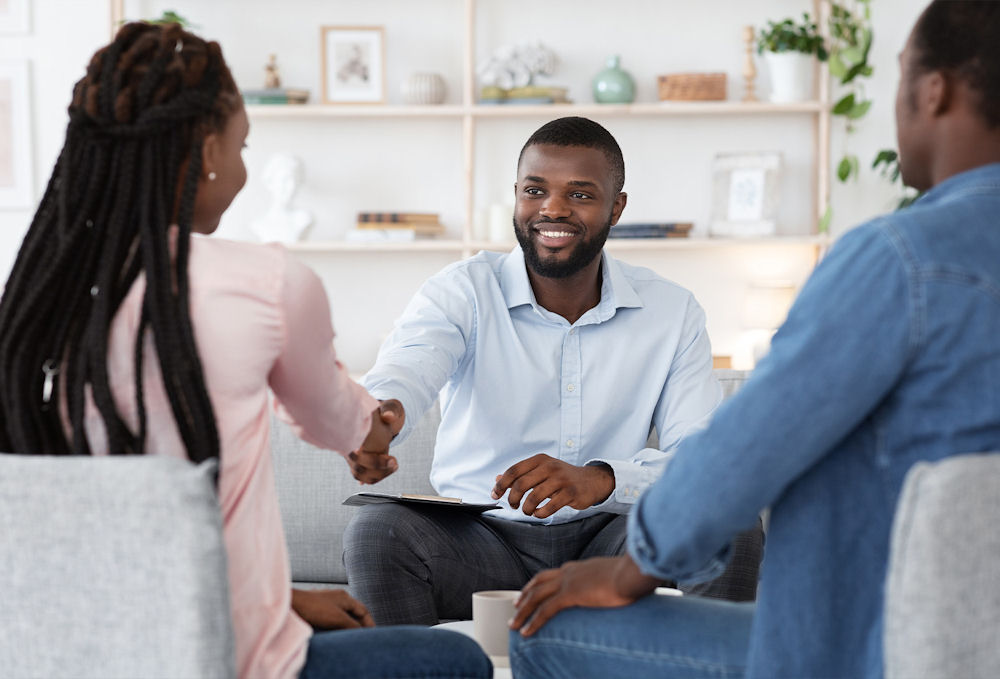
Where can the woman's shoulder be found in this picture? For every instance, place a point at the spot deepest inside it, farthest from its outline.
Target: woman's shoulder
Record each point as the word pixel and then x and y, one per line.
pixel 221 263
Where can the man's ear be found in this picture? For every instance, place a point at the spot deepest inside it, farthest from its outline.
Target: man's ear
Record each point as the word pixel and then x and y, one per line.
pixel 616 210
pixel 936 93
pixel 210 154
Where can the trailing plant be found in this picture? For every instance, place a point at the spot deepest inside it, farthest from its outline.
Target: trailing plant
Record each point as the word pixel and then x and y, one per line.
pixel 850 46
pixel 887 163
pixel 789 36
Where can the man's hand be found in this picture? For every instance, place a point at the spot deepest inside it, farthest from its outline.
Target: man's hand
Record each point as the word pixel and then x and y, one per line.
pixel 603 582
pixel 372 462
pixel 562 483
pixel 330 609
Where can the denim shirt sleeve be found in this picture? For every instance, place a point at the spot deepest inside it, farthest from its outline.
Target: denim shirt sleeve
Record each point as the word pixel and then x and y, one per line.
pixel 427 345
pixel 689 397
pixel 845 343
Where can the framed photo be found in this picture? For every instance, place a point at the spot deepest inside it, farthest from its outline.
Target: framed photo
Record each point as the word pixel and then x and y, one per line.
pixel 13 16
pixel 15 136
pixel 353 64
pixel 745 194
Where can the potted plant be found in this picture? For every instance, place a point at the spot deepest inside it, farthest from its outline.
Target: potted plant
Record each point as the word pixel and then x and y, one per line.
pixel 788 48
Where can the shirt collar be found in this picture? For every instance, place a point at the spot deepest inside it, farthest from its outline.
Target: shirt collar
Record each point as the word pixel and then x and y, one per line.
pixel 985 177
pixel 616 291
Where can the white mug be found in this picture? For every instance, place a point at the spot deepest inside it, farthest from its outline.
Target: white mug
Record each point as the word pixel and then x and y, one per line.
pixel 491 611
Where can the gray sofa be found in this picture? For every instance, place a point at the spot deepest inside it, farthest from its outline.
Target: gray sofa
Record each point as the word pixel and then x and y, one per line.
pixel 313 483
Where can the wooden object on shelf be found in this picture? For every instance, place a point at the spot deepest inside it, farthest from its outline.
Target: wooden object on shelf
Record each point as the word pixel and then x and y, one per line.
pixel 724 362
pixel 692 87
pixel 382 217
pixel 749 67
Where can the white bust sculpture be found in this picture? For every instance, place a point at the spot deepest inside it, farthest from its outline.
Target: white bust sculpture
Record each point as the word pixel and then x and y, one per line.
pixel 281 222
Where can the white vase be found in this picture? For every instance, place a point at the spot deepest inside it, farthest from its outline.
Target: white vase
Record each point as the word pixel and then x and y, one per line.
pixel 422 89
pixel 791 76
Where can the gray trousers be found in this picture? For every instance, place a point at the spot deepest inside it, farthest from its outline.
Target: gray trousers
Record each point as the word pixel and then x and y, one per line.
pixel 420 566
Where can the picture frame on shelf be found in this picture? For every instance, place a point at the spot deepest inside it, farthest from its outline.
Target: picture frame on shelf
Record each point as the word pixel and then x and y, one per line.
pixel 745 194
pixel 15 136
pixel 353 64
pixel 13 16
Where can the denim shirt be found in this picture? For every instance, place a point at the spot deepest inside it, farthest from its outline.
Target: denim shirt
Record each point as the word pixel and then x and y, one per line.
pixel 889 356
pixel 516 379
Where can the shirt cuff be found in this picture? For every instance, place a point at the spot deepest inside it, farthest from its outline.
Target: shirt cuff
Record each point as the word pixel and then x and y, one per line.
pixel 631 480
pixel 642 548
pixel 408 410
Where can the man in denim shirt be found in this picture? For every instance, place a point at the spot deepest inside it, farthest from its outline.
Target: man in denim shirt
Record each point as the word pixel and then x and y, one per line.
pixel 890 356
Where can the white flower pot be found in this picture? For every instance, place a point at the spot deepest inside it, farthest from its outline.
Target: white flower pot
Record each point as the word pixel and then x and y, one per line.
pixel 791 76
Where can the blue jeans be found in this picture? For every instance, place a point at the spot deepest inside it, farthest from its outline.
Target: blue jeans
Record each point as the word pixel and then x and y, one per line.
pixel 658 636
pixel 395 653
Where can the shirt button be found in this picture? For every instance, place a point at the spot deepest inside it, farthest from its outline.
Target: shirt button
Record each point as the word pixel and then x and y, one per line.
pixel 570 387
pixel 569 443
pixel 572 331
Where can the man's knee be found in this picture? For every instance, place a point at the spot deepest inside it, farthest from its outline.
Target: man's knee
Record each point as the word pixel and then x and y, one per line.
pixel 374 530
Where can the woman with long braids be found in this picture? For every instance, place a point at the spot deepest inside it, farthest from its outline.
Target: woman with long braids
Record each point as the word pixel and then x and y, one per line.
pixel 122 333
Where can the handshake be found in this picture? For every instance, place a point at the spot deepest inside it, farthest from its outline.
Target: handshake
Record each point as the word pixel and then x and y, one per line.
pixel 372 462
pixel 541 484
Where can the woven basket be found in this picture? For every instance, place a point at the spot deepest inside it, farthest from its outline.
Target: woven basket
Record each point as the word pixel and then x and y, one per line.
pixel 692 86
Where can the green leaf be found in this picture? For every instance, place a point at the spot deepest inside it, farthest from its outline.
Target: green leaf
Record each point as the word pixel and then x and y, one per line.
pixel 844 106
pixel 859 110
pixel 852 56
pixel 884 157
pixel 855 166
pixel 824 221
pixel 844 169
pixel 837 68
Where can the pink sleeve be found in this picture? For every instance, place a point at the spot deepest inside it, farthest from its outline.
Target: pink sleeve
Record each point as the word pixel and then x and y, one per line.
pixel 314 392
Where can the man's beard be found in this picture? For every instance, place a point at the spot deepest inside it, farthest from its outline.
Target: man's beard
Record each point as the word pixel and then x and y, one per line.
pixel 583 253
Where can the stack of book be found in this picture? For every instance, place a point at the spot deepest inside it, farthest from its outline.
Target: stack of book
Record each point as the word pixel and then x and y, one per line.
pixel 651 230
pixel 395 226
pixel 532 94
pixel 276 95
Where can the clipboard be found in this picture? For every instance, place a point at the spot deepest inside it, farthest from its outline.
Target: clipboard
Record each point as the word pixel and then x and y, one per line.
pixel 367 498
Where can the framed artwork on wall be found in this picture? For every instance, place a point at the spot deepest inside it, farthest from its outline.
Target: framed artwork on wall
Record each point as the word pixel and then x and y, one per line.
pixel 745 194
pixel 353 66
pixel 15 136
pixel 13 16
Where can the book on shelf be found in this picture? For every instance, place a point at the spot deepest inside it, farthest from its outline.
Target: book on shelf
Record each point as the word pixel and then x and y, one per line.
pixel 276 95
pixel 419 228
pixel 530 94
pixel 382 217
pixel 651 230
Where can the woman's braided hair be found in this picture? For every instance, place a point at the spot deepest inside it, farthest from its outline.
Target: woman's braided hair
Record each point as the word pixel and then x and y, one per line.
pixel 128 170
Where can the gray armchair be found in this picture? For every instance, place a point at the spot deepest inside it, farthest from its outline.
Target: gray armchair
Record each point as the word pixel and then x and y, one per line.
pixel 112 567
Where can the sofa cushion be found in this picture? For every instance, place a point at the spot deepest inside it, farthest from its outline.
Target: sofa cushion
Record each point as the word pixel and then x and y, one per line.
pixel 313 483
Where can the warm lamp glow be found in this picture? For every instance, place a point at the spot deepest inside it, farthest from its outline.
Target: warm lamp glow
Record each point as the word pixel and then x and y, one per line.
pixel 767 304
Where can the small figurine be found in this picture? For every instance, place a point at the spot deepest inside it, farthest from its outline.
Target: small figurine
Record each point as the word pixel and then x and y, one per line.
pixel 272 78
pixel 282 222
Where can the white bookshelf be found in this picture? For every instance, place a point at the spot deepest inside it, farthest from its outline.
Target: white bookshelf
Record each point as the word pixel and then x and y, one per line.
pixel 470 116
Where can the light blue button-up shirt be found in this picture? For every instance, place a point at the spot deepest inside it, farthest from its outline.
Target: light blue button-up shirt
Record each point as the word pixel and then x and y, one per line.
pixel 515 379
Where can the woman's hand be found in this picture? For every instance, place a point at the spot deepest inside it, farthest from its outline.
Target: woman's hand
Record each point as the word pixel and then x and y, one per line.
pixel 327 609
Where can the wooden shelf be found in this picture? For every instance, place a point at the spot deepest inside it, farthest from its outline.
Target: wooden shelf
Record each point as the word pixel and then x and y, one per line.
pixel 666 108
pixel 349 246
pixel 613 245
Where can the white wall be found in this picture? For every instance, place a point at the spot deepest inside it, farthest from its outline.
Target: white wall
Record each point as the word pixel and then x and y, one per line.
pixel 355 164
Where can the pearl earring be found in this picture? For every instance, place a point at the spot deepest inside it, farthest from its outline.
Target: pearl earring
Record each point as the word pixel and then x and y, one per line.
pixel 211 176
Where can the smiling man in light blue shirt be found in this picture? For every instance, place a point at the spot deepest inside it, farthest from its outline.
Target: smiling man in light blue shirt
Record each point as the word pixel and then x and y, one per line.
pixel 552 363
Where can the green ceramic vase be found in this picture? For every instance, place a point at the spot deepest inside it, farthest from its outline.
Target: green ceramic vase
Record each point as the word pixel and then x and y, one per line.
pixel 613 85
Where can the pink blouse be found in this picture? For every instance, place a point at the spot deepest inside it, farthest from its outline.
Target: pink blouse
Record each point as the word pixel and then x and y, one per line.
pixel 261 319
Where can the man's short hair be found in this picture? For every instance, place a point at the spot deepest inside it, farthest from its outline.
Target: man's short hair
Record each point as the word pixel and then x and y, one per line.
pixel 576 131
pixel 963 37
